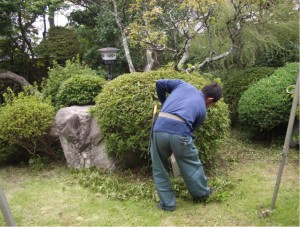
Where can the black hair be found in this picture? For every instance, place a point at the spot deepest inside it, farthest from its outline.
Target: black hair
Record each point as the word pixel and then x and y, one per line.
pixel 212 90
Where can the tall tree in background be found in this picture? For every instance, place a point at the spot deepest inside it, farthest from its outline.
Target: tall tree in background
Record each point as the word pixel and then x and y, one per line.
pixel 108 15
pixel 52 7
pixel 17 19
pixel 60 44
pixel 269 38
pixel 181 21
pixel 119 16
pixel 19 35
pixel 158 28
pixel 277 34
pixel 196 33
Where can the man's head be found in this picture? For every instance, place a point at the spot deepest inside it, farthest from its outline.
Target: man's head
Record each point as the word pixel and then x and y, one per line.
pixel 212 92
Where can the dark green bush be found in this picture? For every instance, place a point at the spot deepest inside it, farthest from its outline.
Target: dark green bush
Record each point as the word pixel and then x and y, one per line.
pixel 25 120
pixel 11 154
pixel 266 104
pixel 79 90
pixel 58 74
pixel 60 43
pixel 124 112
pixel 239 81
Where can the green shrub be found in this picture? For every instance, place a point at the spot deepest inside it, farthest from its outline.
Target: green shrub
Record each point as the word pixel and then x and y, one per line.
pixel 124 112
pixel 60 43
pixel 79 90
pixel 239 81
pixel 266 104
pixel 36 162
pixel 25 120
pixel 58 74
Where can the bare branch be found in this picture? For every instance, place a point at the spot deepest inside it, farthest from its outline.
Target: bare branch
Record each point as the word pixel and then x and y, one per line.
pixel 234 32
pixel 158 47
pixel 185 54
pixel 219 57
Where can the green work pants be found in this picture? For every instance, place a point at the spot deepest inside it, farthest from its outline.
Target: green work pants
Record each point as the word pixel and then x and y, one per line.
pixel 191 169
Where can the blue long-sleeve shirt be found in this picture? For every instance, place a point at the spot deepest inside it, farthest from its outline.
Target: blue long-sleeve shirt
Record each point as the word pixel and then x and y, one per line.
pixel 185 101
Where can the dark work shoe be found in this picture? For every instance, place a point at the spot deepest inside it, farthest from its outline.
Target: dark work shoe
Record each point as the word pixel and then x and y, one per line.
pixel 159 206
pixel 203 199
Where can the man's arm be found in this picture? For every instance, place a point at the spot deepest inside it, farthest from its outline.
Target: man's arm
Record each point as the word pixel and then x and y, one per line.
pixel 165 86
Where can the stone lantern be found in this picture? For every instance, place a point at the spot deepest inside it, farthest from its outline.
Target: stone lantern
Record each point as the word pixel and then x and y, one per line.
pixel 109 55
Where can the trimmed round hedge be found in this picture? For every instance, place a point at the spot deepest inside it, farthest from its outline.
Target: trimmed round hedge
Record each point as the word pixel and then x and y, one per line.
pixel 266 104
pixel 59 74
pixel 25 120
pixel 239 81
pixel 79 90
pixel 124 108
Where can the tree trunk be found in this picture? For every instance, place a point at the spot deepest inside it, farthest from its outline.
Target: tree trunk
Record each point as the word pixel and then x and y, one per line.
pixel 127 52
pixel 51 21
pixel 124 38
pixel 25 40
pixel 186 54
pixel 150 61
pixel 45 27
pixel 51 12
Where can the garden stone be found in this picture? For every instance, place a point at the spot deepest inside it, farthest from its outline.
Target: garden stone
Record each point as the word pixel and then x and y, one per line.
pixel 81 139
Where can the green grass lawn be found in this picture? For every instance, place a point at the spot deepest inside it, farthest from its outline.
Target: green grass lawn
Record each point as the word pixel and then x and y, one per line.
pixel 54 196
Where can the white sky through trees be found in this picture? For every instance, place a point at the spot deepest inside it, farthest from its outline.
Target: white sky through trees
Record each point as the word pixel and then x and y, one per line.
pixel 60 19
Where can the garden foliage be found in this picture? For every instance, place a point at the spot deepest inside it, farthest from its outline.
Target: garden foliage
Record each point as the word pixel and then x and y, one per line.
pixel 59 74
pixel 25 120
pixel 79 90
pixel 237 82
pixel 60 43
pixel 266 104
pixel 126 185
pixel 124 112
pixel 11 153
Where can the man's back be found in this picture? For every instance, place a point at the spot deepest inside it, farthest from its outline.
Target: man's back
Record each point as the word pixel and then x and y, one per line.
pixel 184 101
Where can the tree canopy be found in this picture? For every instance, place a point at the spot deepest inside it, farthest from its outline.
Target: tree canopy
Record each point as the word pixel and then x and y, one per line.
pixel 19 34
pixel 60 44
pixel 189 34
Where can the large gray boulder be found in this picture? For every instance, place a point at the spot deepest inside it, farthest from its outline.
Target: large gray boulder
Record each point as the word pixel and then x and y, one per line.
pixel 81 139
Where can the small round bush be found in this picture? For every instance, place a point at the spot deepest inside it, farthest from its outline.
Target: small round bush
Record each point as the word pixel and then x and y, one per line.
pixel 25 120
pixel 58 74
pixel 79 90
pixel 124 108
pixel 239 81
pixel 266 104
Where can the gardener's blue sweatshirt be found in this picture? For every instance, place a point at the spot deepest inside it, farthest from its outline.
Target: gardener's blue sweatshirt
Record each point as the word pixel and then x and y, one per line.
pixel 184 101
